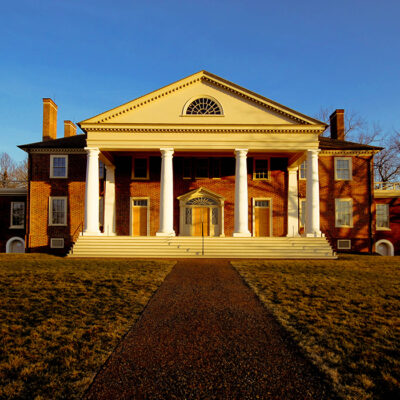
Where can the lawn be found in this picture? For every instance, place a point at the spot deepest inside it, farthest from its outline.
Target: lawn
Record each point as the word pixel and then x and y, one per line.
pixel 61 318
pixel 344 314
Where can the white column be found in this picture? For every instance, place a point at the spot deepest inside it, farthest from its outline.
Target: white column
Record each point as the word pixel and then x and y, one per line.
pixel 293 203
pixel 92 192
pixel 109 201
pixel 312 195
pixel 241 197
pixel 166 194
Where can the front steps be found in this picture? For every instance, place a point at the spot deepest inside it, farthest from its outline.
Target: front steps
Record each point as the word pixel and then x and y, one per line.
pixel 197 247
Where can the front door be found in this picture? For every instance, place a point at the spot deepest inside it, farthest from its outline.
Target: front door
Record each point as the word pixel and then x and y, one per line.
pixel 201 221
pixel 139 217
pixel 262 225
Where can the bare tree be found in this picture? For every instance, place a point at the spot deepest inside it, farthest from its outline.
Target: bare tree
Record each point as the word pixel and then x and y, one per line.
pixel 356 127
pixel 12 173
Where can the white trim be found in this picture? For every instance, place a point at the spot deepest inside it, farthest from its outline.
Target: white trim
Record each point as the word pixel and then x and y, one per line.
pixel 11 216
pixel 54 246
pixel 268 168
pixel 9 242
pixel 337 200
pixel 253 214
pixel 343 246
pixel 205 96
pixel 302 201
pixel 388 243
pixel 52 156
pixel 305 170
pixel 350 168
pixel 136 178
pixel 51 198
pixel 382 228
pixel 131 213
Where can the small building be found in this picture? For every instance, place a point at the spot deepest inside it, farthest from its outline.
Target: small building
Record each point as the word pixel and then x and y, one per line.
pixel 200 167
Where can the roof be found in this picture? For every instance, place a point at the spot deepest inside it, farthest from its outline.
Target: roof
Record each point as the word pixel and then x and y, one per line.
pixel 13 191
pixel 71 142
pixel 208 77
pixel 326 143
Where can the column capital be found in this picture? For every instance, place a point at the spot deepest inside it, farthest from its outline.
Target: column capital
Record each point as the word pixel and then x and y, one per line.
pixel 292 170
pixel 109 167
pixel 241 152
pixel 313 152
pixel 167 151
pixel 92 150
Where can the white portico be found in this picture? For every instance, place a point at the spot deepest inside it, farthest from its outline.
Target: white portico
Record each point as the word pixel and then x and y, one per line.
pixel 204 117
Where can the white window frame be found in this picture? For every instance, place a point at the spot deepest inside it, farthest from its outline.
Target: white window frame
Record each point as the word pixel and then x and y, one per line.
pixel 303 167
pixel 343 244
pixel 268 159
pixel 302 201
pixel 54 246
pixel 337 201
pixel 349 159
pixel 52 157
pixel 11 215
pixel 383 228
pixel 51 198
pixel 147 158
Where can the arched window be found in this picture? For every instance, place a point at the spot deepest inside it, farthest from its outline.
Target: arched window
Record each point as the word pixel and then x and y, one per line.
pixel 203 106
pixel 201 201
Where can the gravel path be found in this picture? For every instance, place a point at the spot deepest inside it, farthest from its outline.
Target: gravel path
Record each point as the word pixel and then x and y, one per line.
pixel 205 335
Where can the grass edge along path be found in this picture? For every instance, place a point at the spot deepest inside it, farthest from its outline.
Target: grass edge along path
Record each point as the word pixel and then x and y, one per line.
pixel 60 319
pixel 344 314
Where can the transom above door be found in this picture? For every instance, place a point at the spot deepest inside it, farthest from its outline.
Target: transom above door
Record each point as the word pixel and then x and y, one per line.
pixel 201 213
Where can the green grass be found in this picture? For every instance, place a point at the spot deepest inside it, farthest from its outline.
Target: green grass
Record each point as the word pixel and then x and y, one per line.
pixel 61 318
pixel 344 314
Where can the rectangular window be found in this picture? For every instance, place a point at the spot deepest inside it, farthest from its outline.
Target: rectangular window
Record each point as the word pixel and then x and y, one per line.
pixel 58 166
pixel 216 168
pixel 303 170
pixel 17 214
pixel 214 216
pixel 140 202
pixel 343 168
pixel 140 168
pixel 382 216
pixel 344 212
pixel 202 168
pixel 260 168
pixel 188 216
pixel 187 168
pixel 58 211
pixel 302 212
pixel 343 244
pixel 57 243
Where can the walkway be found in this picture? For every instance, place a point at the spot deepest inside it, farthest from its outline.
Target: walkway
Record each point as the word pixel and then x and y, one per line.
pixel 204 335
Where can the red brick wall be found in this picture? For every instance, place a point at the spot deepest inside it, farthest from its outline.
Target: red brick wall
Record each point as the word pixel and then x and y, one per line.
pixel 41 188
pixel 356 189
pixel 275 188
pixel 393 235
pixel 5 220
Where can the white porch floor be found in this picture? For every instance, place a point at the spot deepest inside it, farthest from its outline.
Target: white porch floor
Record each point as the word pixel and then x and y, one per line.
pixel 196 247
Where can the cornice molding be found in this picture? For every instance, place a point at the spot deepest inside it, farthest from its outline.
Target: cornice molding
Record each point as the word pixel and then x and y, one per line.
pixel 209 130
pixel 347 152
pixel 57 151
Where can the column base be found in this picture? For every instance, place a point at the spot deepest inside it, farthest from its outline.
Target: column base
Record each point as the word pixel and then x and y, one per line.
pixel 295 235
pixel 165 233
pixel 92 233
pixel 315 234
pixel 241 234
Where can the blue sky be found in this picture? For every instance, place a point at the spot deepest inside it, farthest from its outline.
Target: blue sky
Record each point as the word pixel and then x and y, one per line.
pixel 90 56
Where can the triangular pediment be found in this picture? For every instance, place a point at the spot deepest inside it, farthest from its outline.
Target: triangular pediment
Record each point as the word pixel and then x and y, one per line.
pixel 200 193
pixel 166 106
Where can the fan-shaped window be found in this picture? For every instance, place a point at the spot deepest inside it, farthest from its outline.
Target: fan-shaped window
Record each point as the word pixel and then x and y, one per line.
pixel 203 106
pixel 202 201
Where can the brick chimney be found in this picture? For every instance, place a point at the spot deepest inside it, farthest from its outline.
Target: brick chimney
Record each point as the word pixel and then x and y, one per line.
pixel 337 124
pixel 69 129
pixel 49 120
